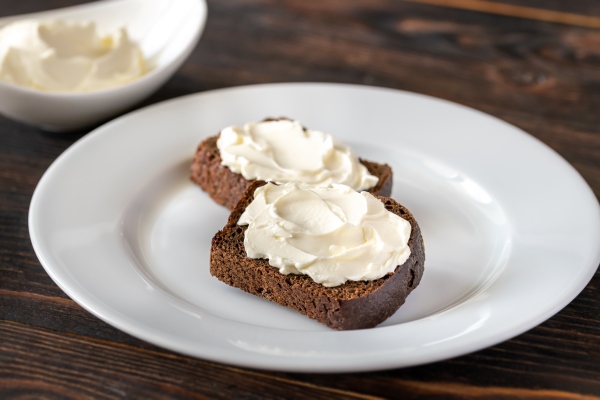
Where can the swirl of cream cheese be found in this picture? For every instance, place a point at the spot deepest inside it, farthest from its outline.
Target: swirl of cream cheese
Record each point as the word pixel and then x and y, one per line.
pixel 61 56
pixel 283 151
pixel 333 234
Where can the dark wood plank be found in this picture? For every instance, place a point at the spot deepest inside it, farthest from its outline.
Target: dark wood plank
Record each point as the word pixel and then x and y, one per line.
pixel 532 9
pixel 579 7
pixel 83 368
pixel 16 7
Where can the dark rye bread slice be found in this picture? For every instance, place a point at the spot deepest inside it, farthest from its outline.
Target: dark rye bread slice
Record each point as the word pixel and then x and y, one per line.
pixel 353 305
pixel 226 187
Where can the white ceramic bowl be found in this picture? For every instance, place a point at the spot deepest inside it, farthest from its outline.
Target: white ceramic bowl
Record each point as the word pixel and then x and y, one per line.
pixel 167 32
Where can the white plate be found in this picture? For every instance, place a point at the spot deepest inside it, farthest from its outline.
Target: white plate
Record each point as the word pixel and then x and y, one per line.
pixel 512 231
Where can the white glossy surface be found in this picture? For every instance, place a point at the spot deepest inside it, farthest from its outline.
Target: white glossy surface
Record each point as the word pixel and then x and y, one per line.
pixel 118 226
pixel 167 32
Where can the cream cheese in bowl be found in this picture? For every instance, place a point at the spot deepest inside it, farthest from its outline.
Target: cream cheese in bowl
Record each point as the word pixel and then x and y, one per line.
pixel 79 83
pixel 67 56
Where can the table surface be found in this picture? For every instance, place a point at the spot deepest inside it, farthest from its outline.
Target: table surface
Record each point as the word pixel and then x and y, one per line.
pixel 532 63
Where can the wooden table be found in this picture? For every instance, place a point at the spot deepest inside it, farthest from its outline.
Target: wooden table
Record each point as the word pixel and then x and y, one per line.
pixel 533 63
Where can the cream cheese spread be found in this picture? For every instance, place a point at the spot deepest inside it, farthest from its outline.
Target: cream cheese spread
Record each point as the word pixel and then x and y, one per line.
pixel 283 151
pixel 61 56
pixel 333 234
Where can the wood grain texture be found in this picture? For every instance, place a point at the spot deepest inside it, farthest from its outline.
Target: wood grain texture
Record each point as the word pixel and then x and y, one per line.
pixel 579 7
pixel 518 11
pixel 541 76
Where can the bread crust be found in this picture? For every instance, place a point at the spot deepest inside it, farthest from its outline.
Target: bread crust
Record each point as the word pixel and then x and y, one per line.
pixel 352 305
pixel 226 187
